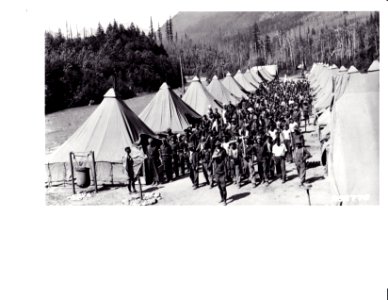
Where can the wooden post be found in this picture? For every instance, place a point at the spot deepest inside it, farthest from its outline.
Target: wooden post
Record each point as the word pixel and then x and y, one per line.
pixel 72 171
pixel 140 188
pixel 94 171
pixel 308 195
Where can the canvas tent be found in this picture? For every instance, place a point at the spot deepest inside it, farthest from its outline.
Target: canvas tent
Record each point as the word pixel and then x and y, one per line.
pixel 167 110
pixel 199 98
pixel 255 75
pixel 272 70
pixel 354 155
pixel 232 85
pixel 263 73
pixel 107 131
pixel 222 94
pixel 248 76
pixel 239 77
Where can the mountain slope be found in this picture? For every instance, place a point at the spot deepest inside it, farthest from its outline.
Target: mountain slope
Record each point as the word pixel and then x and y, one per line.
pixel 206 27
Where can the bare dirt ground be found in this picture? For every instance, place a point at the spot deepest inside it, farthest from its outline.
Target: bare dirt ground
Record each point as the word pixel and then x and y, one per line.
pixel 180 192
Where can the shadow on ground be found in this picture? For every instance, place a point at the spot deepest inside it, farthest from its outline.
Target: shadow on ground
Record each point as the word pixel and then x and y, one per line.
pixel 239 196
pixel 315 178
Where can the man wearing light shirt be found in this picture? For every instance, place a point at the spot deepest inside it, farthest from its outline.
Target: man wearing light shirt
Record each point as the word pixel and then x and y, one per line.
pixel 287 141
pixel 279 151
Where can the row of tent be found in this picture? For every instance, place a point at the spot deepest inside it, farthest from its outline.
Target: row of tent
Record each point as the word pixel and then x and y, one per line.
pixel 347 108
pixel 114 126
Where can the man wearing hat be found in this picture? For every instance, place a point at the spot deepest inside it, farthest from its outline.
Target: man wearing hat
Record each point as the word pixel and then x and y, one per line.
pixel 193 165
pixel 301 154
pixel 218 158
pixel 128 166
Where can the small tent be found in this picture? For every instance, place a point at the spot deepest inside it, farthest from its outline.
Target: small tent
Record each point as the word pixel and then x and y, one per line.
pixel 107 131
pixel 218 90
pixel 167 110
pixel 255 75
pixel 248 76
pixel 234 87
pixel 246 85
pixel 264 74
pixel 199 98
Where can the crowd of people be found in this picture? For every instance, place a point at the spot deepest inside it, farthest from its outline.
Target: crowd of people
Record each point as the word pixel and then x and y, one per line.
pixel 250 142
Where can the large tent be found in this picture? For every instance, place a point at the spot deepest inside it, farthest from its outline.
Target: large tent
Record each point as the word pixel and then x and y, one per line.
pixel 167 110
pixel 354 154
pixel 234 87
pixel 222 94
pixel 248 76
pixel 246 85
pixel 107 131
pixel 199 98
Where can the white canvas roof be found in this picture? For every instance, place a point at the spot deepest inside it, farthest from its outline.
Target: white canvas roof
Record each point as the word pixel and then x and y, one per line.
pixel 246 85
pixel 167 110
pixel 222 94
pixel 199 98
pixel 375 66
pixel 248 76
pixel 107 131
pixel 232 85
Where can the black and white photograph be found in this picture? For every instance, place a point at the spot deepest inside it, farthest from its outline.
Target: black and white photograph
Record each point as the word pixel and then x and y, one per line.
pixel 214 108
pixel 253 131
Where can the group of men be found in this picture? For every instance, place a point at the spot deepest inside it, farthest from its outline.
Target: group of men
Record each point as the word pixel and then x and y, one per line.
pixel 248 142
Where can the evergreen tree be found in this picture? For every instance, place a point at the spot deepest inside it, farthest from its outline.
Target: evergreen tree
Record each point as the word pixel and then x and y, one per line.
pixel 151 33
pixel 160 37
pixel 168 30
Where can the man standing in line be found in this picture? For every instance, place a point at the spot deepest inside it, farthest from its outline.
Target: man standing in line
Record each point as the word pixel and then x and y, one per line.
pixel 287 142
pixel 267 157
pixel 153 161
pixel 279 152
pixel 259 157
pixel 250 153
pixel 235 163
pixel 175 156
pixel 219 157
pixel 194 164
pixel 301 155
pixel 166 153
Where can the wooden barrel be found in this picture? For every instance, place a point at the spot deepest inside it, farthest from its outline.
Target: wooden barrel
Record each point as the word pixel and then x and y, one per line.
pixel 82 175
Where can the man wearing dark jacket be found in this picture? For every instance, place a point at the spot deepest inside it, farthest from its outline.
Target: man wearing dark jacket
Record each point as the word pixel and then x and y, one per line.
pixel 219 160
pixel 194 165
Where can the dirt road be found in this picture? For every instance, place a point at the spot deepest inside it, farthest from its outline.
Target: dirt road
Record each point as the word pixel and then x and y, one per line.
pixel 180 192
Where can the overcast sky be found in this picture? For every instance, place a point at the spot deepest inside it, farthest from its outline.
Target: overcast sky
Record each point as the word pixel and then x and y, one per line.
pixel 80 14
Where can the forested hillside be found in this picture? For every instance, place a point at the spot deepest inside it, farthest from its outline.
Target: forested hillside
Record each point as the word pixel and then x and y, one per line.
pixel 78 70
pixel 215 42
